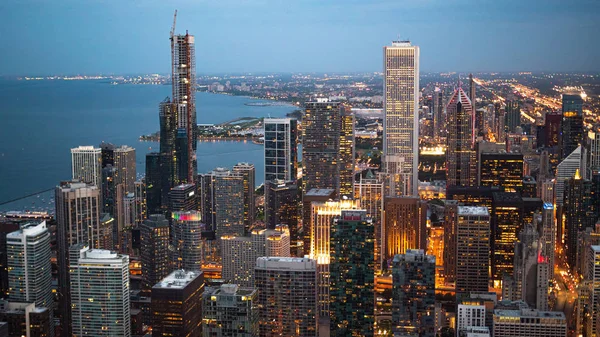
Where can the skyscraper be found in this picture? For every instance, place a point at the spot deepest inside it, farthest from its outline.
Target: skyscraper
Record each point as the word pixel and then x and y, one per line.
pixel 401 120
pixel 177 304
pixel 77 221
pixel 565 170
pixel 287 296
pixel 100 292
pixel 472 228
pixel 86 164
pixel 154 235
pixel 313 195
pixel 507 222
pixel 413 291
pixel 186 240
pixel 460 154
pixel 124 162
pixel 571 131
pixel 247 172
pixel 328 147
pixel 29 268
pixel 504 170
pixel 439 118
pixel 576 209
pixel 403 226
pixel 230 311
pixel 513 116
pixel 223 202
pixel 369 192
pixel 281 149
pixel 281 205
pixel 352 275
pixel 154 183
pixel 182 198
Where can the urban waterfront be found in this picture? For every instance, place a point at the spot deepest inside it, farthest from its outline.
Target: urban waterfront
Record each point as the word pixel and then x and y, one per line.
pixel 46 117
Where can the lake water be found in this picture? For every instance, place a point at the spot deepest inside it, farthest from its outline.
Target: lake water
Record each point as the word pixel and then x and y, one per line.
pixel 40 121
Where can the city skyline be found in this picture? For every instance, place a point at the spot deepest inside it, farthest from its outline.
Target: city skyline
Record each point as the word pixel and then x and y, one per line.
pixel 358 29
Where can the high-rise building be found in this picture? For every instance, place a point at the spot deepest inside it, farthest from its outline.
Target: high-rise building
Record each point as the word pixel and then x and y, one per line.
pixel 565 170
pixel 504 170
pixel 576 210
pixel 86 165
pixel 29 267
pixel 99 292
pixel 472 227
pixel 177 304
pixel 110 191
pixel 469 314
pixel 404 226
pixel 591 282
pixel 413 292
pixel 6 227
pixel 529 322
pixel 248 173
pixel 593 141
pixel 507 222
pixel 513 116
pixel 77 221
pixel 352 275
pixel 439 118
pixel 154 251
pixel 154 183
pixel 240 252
pixel 313 195
pixel 182 198
pixel 320 243
pixel 186 240
pixel 124 162
pixel 108 154
pixel 230 311
pixel 401 117
pixel 25 319
pixel 461 165
pixel 328 147
pixel 369 192
pixel 546 226
pixel 141 208
pixel 223 202
pixel 281 149
pixel 282 206
pixel 287 296
pixel 571 130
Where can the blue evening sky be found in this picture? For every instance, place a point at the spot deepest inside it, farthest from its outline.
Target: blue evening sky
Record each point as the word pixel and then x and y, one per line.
pixel 40 37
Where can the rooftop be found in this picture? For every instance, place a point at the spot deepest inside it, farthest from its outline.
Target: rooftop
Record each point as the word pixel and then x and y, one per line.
pixel 178 279
pixel 473 210
pixel 529 313
pixel 29 229
pixel 322 192
pixel 286 263
pixel 229 289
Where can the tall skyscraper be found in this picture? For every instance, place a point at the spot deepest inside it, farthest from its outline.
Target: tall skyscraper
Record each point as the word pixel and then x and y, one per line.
pixel 439 117
pixel 313 195
pixel 513 116
pixel 547 228
pixel 576 210
pixel 281 149
pixel 281 205
pixel 177 304
pixel 287 296
pixel 352 275
pixel 472 228
pixel 230 310
pixel 401 120
pixel 460 154
pixel 403 226
pixel 124 162
pixel 108 154
pixel 472 90
pixel 223 202
pixel 571 131
pixel 327 147
pixel 566 170
pixel 186 240
pixel 86 165
pixel 154 235
pixel 29 267
pixel 100 292
pixel 504 170
pixel 248 173
pixel 413 291
pixel 154 183
pixel 77 221
pixel 507 222
pixel 369 192
pixel 593 141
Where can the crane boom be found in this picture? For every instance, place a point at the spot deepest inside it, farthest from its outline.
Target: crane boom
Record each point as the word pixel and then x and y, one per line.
pixel 174 23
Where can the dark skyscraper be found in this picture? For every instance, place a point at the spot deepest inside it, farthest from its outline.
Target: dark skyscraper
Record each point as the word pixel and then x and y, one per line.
pixel 281 149
pixel 154 250
pixel 328 147
pixel 507 222
pixel 513 116
pixel 439 118
pixel 571 132
pixel 460 155
pixel 281 205
pixel 504 170
pixel 352 275
pixel 154 181
pixel 576 207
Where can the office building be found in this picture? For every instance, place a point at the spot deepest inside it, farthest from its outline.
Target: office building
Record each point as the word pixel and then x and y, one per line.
pixel 504 170
pixel 177 304
pixel 571 130
pixel 401 117
pixel 154 250
pixel 472 231
pixel 369 191
pixel 413 292
pixel 577 212
pixel 29 267
pixel 141 208
pixel 111 192
pixel 248 173
pixel 230 311
pixel 593 142
pixel 154 183
pixel 513 116
pixel 469 314
pixel 313 195
pixel 404 226
pixel 322 220
pixel 352 274
pixel 25 319
pixel 223 202
pixel 86 164
pixel 282 200
pixel 565 170
pixel 287 296
pixel 124 162
pixel 281 149
pixel 107 224
pixel 108 154
pixel 461 168
pixel 546 226
pixel 529 322
pixel 186 240
pixel 439 120
pixel 182 198
pixel 240 252
pixel 99 292
pixel 507 222
pixel 77 222
pixel 328 147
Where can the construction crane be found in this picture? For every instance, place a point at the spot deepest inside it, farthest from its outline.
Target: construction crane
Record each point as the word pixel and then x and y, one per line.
pixel 174 23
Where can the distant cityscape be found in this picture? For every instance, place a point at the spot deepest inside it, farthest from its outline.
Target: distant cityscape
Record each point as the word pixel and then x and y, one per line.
pixel 395 204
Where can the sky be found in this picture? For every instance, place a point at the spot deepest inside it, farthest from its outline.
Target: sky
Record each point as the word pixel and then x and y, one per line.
pixel 66 37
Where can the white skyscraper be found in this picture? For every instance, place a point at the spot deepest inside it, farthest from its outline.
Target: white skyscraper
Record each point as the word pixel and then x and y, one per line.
pixel 401 122
pixel 565 170
pixel 86 164
pixel 99 293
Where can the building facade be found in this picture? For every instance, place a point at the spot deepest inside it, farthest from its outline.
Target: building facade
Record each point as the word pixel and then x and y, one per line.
pixel 460 153
pixel 230 311
pixel 86 165
pixel 281 149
